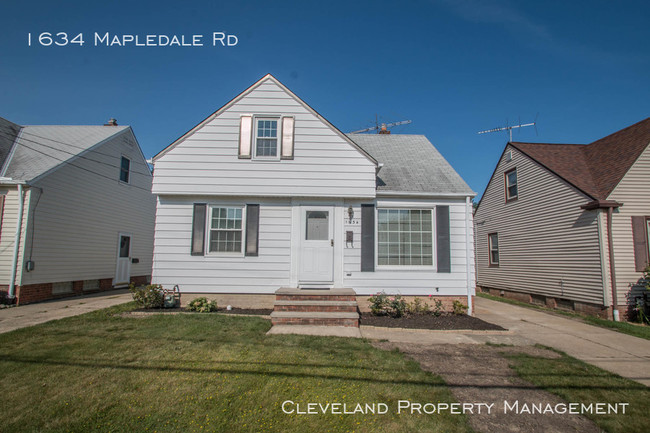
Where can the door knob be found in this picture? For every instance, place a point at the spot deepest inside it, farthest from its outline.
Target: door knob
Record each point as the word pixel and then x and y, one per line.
pixel 332 242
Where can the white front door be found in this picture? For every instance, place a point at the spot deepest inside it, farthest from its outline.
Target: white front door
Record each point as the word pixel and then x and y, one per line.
pixel 123 268
pixel 316 256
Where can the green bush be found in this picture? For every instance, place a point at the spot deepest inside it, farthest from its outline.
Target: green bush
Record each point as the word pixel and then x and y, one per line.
pixel 437 308
pixel 418 307
pixel 459 308
pixel 382 304
pixel 202 305
pixel 149 296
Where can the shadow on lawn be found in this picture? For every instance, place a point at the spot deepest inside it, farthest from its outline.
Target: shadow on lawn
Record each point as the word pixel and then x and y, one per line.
pixel 95 364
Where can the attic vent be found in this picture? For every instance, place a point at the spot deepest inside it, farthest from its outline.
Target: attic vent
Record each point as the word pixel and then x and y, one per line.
pixel 509 156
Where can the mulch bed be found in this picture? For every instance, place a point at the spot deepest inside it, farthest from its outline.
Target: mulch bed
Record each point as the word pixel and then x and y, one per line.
pixel 443 322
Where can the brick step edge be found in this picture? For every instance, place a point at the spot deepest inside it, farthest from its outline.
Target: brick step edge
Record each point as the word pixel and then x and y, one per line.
pixel 311 302
pixel 315 321
pixel 316 308
pixel 315 314
pixel 348 298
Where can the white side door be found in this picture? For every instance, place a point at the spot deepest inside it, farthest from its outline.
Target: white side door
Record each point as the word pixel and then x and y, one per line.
pixel 316 255
pixel 123 268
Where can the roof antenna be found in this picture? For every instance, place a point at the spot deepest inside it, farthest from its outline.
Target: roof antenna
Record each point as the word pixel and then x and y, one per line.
pixel 383 127
pixel 510 128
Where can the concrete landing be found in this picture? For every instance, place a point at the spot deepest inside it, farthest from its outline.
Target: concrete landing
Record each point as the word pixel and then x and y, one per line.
pixel 325 331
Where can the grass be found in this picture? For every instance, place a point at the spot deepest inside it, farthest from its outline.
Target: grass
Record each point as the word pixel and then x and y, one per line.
pixel 636 330
pixel 205 372
pixel 576 381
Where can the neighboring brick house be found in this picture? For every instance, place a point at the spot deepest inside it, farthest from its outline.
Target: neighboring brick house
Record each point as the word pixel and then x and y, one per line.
pixel 567 225
pixel 76 211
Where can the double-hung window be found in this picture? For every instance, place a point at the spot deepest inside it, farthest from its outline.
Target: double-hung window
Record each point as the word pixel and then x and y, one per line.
pixel 493 249
pixel 226 227
pixel 405 237
pixel 511 185
pixel 266 138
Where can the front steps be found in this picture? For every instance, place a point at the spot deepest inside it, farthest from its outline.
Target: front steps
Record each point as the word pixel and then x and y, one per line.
pixel 320 307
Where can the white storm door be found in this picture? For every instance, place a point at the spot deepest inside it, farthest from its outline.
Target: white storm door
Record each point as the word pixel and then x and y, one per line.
pixel 316 255
pixel 123 268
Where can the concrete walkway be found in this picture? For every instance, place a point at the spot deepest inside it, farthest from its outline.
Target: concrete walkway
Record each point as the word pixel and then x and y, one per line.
pixel 619 353
pixel 33 314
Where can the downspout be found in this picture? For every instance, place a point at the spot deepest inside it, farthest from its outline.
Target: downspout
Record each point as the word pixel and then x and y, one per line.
pixel 470 307
pixel 14 262
pixel 611 264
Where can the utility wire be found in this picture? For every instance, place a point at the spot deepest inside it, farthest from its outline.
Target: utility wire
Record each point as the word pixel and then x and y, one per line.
pixel 72 154
pixel 23 132
pixel 82 168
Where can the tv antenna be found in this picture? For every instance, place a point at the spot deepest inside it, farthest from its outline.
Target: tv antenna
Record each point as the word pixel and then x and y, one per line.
pixel 509 128
pixel 382 128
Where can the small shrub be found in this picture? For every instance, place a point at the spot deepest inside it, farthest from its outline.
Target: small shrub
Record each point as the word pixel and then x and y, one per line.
pixel 149 296
pixel 397 306
pixel 379 304
pixel 459 308
pixel 437 308
pixel 202 305
pixel 418 307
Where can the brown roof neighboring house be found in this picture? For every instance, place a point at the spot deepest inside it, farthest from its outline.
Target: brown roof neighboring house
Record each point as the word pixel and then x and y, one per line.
pixel 594 168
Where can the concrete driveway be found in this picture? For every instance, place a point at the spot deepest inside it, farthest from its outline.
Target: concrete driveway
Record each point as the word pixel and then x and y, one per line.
pixel 619 353
pixel 33 314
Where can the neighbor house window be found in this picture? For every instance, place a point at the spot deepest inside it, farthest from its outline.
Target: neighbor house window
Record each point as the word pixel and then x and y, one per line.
pixel 511 184
pixel 404 237
pixel 266 138
pixel 226 230
pixel 493 249
pixel 125 166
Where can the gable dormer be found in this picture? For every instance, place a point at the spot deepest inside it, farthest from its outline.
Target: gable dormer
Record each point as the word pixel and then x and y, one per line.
pixel 265 142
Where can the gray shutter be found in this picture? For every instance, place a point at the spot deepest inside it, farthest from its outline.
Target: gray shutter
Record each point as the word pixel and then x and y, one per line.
pixel 252 229
pixel 367 238
pixel 640 243
pixel 198 229
pixel 442 239
pixel 245 136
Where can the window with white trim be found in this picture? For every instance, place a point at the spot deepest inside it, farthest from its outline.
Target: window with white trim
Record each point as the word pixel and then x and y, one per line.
pixel 125 167
pixel 405 237
pixel 493 249
pixel 226 230
pixel 511 184
pixel 266 138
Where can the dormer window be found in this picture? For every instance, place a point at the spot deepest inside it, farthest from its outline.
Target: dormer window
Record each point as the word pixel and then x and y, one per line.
pixel 266 138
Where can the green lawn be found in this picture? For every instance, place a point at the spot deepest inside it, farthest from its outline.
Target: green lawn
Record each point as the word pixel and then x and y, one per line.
pixel 196 373
pixel 636 330
pixel 577 382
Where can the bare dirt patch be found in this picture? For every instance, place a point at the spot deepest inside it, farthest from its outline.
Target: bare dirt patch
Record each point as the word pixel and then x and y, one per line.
pixel 479 373
pixel 429 321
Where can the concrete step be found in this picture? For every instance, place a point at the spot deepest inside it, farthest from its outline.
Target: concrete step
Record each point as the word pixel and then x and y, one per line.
pixel 293 294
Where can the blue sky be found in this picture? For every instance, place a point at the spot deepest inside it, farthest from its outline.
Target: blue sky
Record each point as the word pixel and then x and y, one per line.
pixel 453 67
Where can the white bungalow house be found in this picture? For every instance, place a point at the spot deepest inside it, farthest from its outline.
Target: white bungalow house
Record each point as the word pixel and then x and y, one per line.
pixel 76 210
pixel 266 194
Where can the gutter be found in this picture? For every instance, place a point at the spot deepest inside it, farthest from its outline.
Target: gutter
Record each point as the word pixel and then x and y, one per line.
pixel 19 224
pixel 468 207
pixel 426 194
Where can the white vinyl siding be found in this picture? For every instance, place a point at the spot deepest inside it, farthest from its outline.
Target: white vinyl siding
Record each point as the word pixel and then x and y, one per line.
pixel 634 192
pixel 207 162
pixel 547 244
pixel 8 232
pixel 79 215
pixel 217 273
pixel 411 280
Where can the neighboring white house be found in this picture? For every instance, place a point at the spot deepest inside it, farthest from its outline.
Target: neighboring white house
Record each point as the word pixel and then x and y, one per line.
pixel 265 194
pixel 568 225
pixel 76 211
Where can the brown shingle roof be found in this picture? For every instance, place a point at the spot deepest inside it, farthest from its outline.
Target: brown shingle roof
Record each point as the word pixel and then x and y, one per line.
pixel 595 168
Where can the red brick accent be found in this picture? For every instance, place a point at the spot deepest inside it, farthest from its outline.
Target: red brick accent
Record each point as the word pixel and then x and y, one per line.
pixel 321 308
pixel 317 322
pixel 315 297
pixel 30 293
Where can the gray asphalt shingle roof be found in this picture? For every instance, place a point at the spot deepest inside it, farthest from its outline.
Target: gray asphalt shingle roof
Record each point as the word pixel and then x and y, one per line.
pixel 411 164
pixel 39 149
